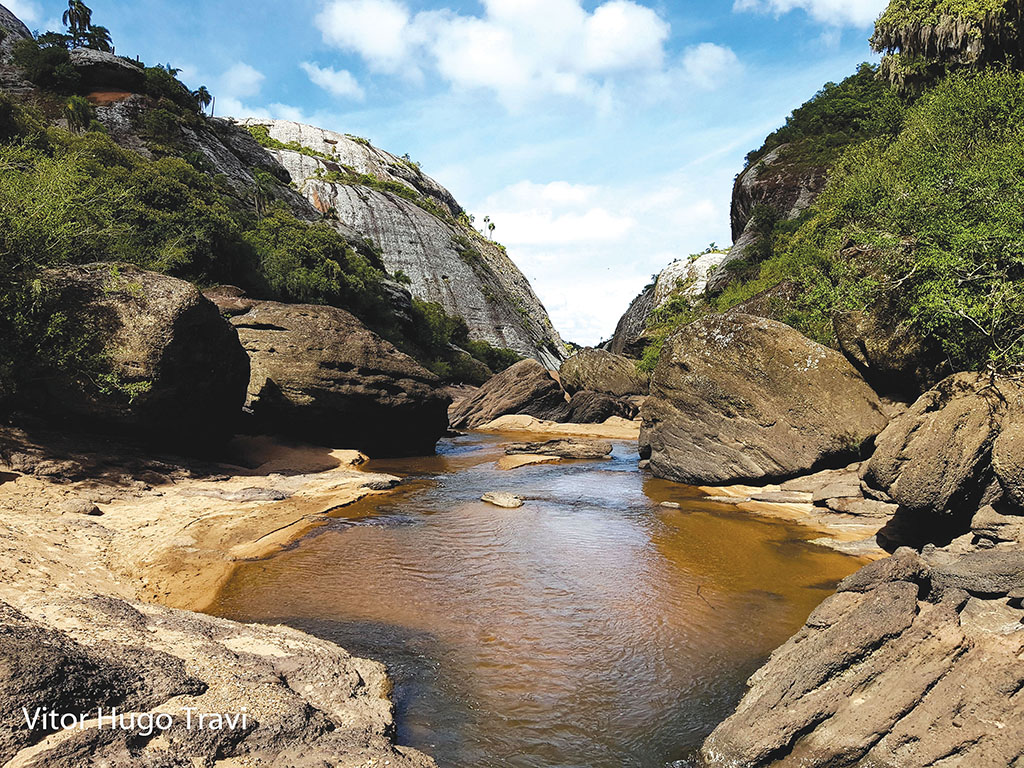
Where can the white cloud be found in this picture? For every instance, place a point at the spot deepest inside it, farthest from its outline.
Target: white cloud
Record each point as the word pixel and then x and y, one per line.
pixel 707 65
pixel 838 13
pixel 518 49
pixel 25 10
pixel 339 82
pixel 240 81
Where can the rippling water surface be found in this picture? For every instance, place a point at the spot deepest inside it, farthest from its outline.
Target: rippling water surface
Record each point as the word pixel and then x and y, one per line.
pixel 591 627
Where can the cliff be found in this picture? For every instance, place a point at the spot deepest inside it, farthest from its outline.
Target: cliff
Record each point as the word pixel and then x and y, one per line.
pixel 421 231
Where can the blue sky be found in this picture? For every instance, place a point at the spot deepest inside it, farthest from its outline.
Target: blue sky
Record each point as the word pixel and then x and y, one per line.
pixel 602 137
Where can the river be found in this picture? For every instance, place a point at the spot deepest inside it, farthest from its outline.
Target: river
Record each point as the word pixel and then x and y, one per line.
pixel 592 627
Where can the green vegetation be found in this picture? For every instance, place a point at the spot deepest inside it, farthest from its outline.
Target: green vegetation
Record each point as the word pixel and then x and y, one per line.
pixel 926 39
pixel 858 108
pixel 933 218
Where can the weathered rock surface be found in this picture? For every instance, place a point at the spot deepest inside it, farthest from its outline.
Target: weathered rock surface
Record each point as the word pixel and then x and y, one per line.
pixel 526 388
pixel 993 528
pixel 888 350
pixel 177 362
pixel 774 182
pixel 320 374
pixel 596 407
pixel 447 261
pixel 885 673
pixel 936 459
pixel 600 371
pixel 504 500
pixel 628 338
pixel 1008 461
pixel 105 71
pixel 564 449
pixel 12 29
pixel 738 399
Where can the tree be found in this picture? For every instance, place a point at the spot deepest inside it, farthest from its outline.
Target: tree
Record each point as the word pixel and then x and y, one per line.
pixel 77 18
pixel 924 39
pixel 172 71
pixel 98 38
pixel 491 227
pixel 79 113
pixel 203 97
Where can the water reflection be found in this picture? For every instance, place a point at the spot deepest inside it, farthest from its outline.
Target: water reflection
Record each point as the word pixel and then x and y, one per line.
pixel 589 628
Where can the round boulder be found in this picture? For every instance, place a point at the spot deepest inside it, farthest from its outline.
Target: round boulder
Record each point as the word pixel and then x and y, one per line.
pixel 319 374
pixel 526 388
pixel 596 370
pixel 168 365
pixel 737 398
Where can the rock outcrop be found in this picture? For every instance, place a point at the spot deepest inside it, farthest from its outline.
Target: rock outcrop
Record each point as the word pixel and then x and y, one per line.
pixel 421 231
pixel 742 399
pixel 168 366
pixel 100 70
pixel 564 448
pixel 320 374
pixel 12 29
pixel 587 407
pixel 775 184
pixel 902 667
pixel 597 370
pixel 628 338
pixel 936 460
pixel 526 388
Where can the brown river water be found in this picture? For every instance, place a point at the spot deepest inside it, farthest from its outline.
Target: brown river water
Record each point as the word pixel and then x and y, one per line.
pixel 591 627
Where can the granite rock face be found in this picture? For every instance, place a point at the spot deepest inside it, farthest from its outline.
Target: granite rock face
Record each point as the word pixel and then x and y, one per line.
pixel 738 398
pixel 320 374
pixel 628 338
pixel 174 367
pixel 597 370
pixel 525 388
pixel 105 71
pixel 12 29
pixel 447 261
pixel 785 188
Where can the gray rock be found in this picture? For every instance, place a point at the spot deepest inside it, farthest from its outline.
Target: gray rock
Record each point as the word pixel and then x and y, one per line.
pixel 861 507
pixel 504 500
pixel 159 337
pixel 320 374
pixel 76 506
pixel 935 460
pixel 628 338
pixel 1008 458
pixel 597 370
pixel 596 407
pixel 11 31
pixel 814 482
pixel 997 528
pixel 844 486
pixel 525 388
pixel 568 448
pixel 744 399
pixel 987 572
pixel 447 261
pixel 781 497
pixel 905 565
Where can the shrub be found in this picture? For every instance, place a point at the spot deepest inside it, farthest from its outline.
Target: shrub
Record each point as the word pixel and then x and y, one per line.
pixel 47 65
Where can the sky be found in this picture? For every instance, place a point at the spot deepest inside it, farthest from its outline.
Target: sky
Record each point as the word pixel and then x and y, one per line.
pixel 602 137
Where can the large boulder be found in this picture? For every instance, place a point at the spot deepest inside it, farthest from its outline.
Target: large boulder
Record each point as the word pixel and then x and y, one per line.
pixel 597 370
pixel 587 407
pixel 737 398
pixel 628 338
pixel 319 374
pixel 936 460
pixel 167 364
pixel 890 672
pixel 526 388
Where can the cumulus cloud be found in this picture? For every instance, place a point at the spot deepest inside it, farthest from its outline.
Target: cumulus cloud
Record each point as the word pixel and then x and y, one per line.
pixel 707 65
pixel 339 82
pixel 241 80
pixel 518 49
pixel 26 10
pixel 838 13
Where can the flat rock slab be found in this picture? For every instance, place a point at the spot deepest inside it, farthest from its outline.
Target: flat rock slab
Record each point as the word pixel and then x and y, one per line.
pixel 503 500
pixel 782 497
pixel 563 449
pixel 524 460
pixel 988 572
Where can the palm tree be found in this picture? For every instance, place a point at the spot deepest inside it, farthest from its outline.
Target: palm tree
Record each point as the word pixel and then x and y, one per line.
pixel 203 97
pixel 172 71
pixel 79 114
pixel 77 18
pixel 98 38
pixel 491 227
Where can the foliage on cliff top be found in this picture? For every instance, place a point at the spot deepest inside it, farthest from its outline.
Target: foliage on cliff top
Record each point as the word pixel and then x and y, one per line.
pixel 940 212
pixel 858 108
pixel 926 39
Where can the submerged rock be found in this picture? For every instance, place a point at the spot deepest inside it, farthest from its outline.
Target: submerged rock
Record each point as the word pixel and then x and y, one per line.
pixel 321 375
pixel 743 399
pixel 567 448
pixel 597 370
pixel 174 368
pixel 526 388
